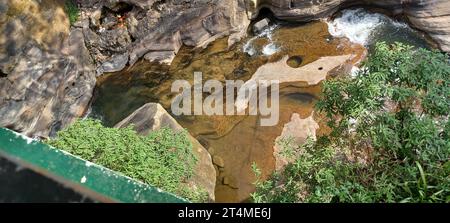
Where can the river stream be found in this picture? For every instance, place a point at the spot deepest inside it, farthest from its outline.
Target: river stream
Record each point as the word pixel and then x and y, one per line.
pixel 240 140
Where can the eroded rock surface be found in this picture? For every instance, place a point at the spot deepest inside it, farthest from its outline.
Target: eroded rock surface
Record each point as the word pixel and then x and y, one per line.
pixel 309 75
pixel 432 17
pixel 156 30
pixel 153 116
pixel 295 133
pixel 47 76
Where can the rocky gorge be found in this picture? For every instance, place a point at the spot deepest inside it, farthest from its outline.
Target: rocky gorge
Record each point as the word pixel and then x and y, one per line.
pixel 52 71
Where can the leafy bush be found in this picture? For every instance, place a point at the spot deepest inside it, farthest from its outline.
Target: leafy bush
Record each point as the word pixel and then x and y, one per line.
pixel 397 111
pixel 163 158
pixel 72 11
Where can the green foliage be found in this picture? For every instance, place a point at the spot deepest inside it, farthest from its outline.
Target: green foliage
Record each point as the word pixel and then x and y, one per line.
pixel 398 107
pixel 163 158
pixel 72 10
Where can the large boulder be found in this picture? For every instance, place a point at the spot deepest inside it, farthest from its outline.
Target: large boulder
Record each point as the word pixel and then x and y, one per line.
pixel 153 116
pixel 432 17
pixel 47 76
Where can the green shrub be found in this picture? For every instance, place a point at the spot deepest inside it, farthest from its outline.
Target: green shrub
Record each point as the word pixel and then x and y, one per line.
pixel 163 158
pixel 72 11
pixel 409 140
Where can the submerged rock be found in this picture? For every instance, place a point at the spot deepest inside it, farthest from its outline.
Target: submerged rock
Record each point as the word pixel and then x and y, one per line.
pixel 153 116
pixel 231 182
pixel 218 161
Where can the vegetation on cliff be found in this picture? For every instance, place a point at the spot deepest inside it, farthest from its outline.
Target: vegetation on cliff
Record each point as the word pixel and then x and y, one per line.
pixel 390 139
pixel 163 158
pixel 72 10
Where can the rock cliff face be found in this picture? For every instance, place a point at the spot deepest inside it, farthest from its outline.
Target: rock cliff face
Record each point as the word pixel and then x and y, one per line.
pixel 155 30
pixel 431 16
pixel 47 76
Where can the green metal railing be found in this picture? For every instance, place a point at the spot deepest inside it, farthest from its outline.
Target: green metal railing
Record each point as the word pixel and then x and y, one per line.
pixel 97 182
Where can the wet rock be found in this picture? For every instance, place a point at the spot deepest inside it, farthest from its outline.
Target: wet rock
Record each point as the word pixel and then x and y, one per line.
pixel 230 182
pixel 218 161
pixel 117 63
pixel 225 180
pixel 298 130
pixel 240 72
pixel 431 17
pixel 217 170
pixel 50 75
pixel 212 150
pixel 294 61
pixel 153 116
pixel 261 25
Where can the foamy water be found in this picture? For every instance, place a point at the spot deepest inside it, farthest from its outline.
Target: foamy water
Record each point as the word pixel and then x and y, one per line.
pixel 359 25
pixel 269 49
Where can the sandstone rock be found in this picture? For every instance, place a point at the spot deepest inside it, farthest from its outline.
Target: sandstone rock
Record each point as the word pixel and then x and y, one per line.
pixel 225 180
pixel 217 170
pixel 191 23
pixel 432 17
pixel 298 130
pixel 310 74
pixel 106 44
pixel 25 23
pixel 261 25
pixel 117 63
pixel 49 77
pixel 231 182
pixel 110 22
pixel 218 161
pixel 153 116
pixel 212 150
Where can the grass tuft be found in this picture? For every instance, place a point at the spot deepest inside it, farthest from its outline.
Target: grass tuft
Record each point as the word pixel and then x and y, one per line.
pixel 72 11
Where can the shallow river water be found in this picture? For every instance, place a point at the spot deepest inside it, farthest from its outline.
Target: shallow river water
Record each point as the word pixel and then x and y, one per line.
pixel 240 140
